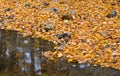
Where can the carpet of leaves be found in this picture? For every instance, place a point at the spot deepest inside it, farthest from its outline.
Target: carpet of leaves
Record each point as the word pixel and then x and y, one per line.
pixel 89 29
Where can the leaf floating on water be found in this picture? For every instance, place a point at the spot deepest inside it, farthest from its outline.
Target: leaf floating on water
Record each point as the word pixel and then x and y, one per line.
pixel 70 60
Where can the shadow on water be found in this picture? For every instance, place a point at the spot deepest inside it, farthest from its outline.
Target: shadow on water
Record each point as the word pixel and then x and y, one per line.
pixel 23 56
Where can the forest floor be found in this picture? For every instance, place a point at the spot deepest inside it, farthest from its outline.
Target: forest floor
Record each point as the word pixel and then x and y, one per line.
pixel 83 30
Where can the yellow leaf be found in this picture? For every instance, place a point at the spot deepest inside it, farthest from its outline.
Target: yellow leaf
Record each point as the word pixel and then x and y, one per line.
pixel 70 60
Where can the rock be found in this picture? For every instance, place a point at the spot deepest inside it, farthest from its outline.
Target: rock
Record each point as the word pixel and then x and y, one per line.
pixel 66 39
pixel 60 47
pixel 25 42
pixel 27 5
pixel 112 14
pixel 82 66
pixel 46 4
pixel 66 36
pixel 63 35
pixel 67 17
pixel 47 28
pixel 54 10
pixel 60 36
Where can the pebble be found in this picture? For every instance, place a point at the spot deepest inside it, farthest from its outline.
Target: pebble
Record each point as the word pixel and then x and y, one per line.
pixel 67 17
pixel 66 39
pixel 46 4
pixel 54 10
pixel 73 65
pixel 112 14
pixel 60 36
pixel 47 28
pixel 66 36
pixel 27 5
pixel 63 35
pixel 60 47
pixel 25 41
pixel 82 66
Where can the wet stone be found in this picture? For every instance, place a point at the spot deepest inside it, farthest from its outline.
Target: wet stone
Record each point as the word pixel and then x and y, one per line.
pixel 47 28
pixel 64 35
pixel 66 39
pixel 25 42
pixel 46 4
pixel 82 66
pixel 27 5
pixel 67 34
pixel 54 10
pixel 67 17
pixel 60 36
pixel 112 14
pixel 60 47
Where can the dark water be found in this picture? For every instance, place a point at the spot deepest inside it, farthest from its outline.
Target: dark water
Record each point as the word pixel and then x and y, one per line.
pixel 23 56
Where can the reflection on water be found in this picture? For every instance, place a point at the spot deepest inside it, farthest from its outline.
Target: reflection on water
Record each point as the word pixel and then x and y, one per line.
pixel 23 56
